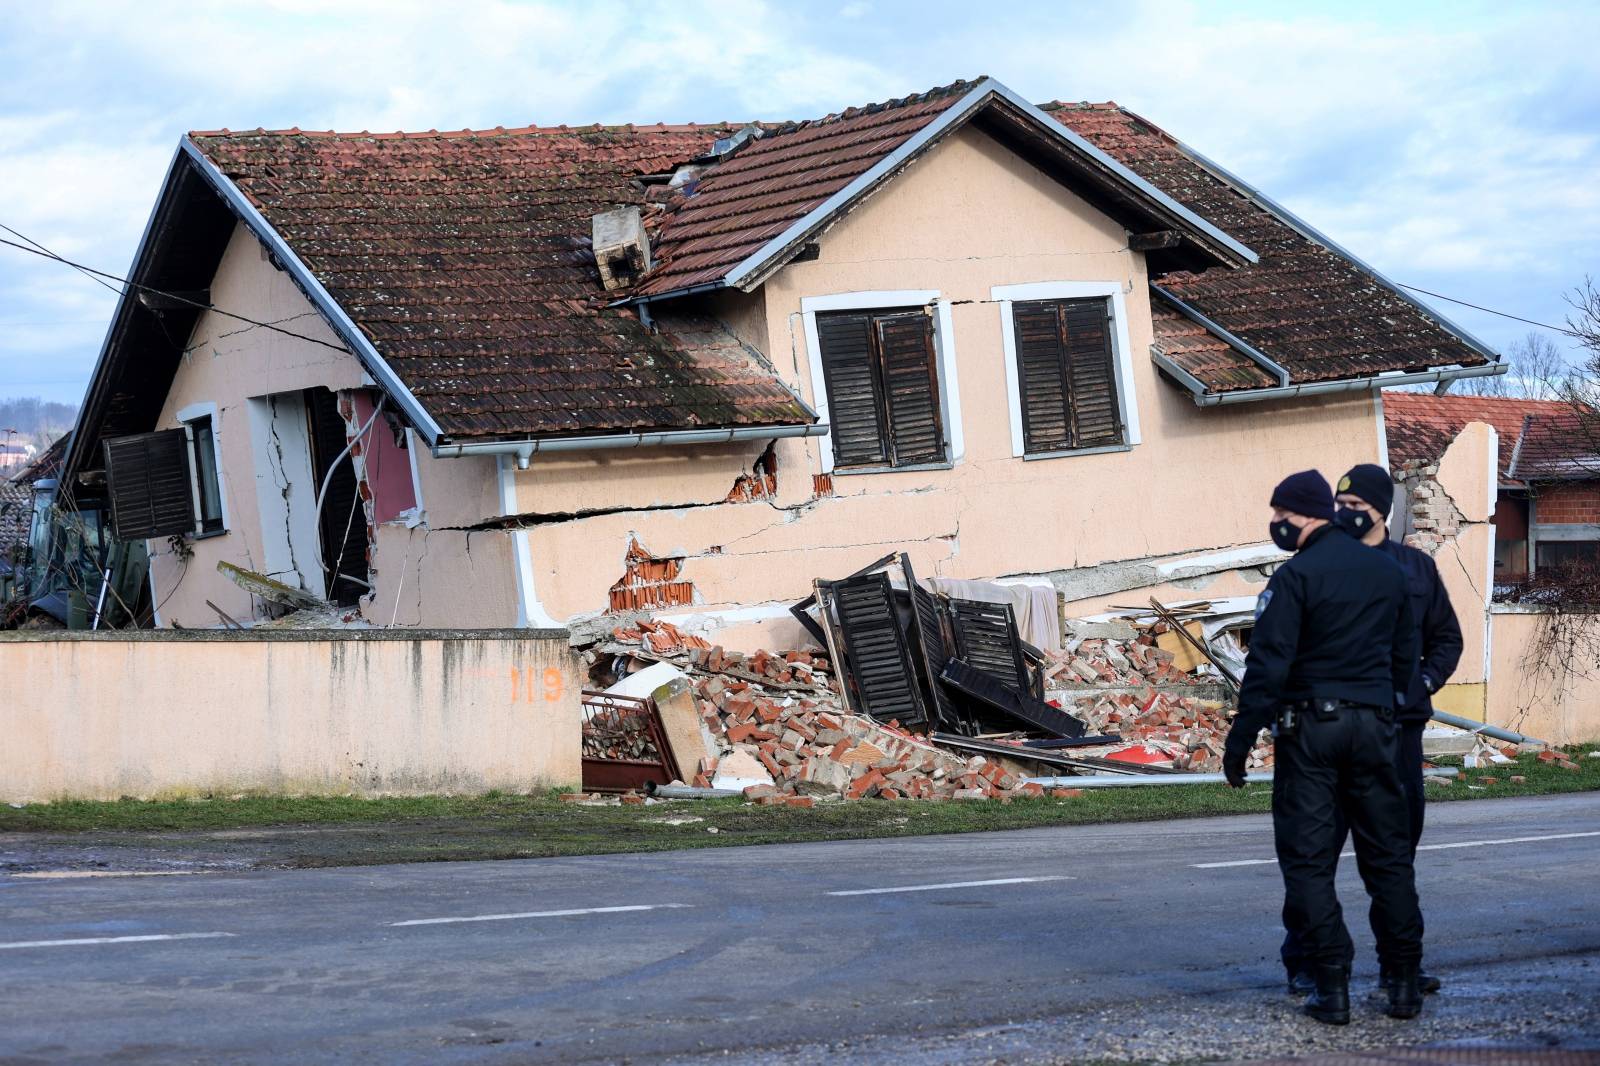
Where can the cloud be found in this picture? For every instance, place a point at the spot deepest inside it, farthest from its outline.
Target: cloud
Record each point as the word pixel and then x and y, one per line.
pixel 1455 153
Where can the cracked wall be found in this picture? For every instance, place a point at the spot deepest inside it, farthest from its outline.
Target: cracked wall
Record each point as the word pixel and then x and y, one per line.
pixel 230 366
pixel 1449 506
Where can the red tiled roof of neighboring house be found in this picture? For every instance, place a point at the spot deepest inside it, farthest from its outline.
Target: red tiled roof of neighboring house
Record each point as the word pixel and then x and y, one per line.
pixel 465 258
pixel 772 182
pixel 1560 445
pixel 1303 305
pixel 1420 426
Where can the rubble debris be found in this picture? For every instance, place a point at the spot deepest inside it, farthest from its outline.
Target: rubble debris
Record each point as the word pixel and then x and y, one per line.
pixel 275 592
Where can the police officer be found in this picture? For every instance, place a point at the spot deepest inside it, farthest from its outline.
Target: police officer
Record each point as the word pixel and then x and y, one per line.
pixel 1365 496
pixel 1334 641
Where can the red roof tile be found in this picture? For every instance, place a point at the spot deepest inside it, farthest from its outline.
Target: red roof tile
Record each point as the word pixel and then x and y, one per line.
pixel 773 182
pixel 465 258
pixel 1561 445
pixel 1303 305
pixel 1420 426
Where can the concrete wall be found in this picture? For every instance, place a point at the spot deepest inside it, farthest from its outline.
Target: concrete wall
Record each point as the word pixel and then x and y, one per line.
pixel 162 714
pixel 968 217
pixel 1554 698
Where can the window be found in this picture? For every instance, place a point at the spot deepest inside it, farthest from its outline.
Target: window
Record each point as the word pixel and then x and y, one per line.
pixel 166 483
pixel 203 464
pixel 1066 375
pixel 1567 553
pixel 880 371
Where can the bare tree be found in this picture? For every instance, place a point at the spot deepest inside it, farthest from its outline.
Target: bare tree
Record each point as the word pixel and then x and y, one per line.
pixel 1539 371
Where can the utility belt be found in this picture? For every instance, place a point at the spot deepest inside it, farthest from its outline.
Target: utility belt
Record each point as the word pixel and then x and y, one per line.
pixel 1292 713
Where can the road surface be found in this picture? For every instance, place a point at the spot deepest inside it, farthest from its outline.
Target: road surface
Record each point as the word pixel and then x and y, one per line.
pixel 1133 941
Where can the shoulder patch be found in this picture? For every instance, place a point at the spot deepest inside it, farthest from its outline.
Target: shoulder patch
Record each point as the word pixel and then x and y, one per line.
pixel 1262 601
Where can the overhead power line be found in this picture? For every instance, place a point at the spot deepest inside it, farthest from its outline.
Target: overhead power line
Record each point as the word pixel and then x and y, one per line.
pixel 101 277
pixel 39 250
pixel 1489 310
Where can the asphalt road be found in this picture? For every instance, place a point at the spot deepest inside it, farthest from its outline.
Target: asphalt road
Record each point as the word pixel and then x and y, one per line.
pixel 1118 941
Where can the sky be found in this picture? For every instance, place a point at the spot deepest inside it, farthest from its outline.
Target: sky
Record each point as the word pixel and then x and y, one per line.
pixel 1453 146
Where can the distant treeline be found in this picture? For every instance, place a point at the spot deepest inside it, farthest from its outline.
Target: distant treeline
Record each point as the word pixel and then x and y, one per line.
pixel 36 421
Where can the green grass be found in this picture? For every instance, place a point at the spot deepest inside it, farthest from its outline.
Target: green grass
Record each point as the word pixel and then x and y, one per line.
pixel 336 830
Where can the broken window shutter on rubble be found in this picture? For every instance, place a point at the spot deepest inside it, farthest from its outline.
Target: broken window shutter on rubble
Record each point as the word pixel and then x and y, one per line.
pixel 880 659
pixel 1065 375
pixel 882 387
pixel 150 485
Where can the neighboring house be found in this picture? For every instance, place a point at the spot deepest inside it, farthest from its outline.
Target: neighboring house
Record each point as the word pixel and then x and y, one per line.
pixel 690 369
pixel 13 456
pixel 1547 509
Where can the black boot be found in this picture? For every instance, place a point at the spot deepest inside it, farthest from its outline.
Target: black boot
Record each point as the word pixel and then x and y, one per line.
pixel 1405 995
pixel 1329 1003
pixel 1301 983
pixel 1427 982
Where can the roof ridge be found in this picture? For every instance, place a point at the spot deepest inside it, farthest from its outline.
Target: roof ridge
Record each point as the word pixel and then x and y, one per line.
pixel 955 88
pixel 497 131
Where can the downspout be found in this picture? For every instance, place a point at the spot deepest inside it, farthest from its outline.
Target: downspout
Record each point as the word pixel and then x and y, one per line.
pixel 530 612
pixel 525 450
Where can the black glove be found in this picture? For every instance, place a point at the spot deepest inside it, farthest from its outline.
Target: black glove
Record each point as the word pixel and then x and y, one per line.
pixel 1233 768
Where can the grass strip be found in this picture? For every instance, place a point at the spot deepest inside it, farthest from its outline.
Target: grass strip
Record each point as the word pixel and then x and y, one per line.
pixel 342 830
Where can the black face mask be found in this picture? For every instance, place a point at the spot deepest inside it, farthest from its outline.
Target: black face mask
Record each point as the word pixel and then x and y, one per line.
pixel 1285 535
pixel 1357 522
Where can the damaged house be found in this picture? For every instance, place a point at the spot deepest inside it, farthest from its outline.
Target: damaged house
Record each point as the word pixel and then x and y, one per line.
pixel 539 376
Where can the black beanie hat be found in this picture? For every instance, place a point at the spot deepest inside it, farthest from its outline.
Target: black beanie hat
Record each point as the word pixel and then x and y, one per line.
pixel 1305 493
pixel 1372 483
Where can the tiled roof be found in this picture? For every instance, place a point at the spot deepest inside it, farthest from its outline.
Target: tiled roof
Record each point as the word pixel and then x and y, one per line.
pixel 46 464
pixel 773 182
pixel 465 258
pixel 16 514
pixel 1420 426
pixel 1561 445
pixel 1303 305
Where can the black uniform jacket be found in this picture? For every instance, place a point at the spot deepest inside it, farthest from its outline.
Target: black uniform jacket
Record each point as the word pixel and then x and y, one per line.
pixel 1334 623
pixel 1438 629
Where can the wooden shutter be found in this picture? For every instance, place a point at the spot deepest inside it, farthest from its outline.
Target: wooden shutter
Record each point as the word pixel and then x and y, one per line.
pixel 880 660
pixel 928 628
pixel 1092 380
pixel 150 484
pixel 850 372
pixel 1065 375
pixel 987 641
pixel 1041 378
pixel 911 385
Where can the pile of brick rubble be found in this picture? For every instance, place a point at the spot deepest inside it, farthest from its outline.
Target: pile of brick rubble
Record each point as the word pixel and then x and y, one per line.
pixel 784 711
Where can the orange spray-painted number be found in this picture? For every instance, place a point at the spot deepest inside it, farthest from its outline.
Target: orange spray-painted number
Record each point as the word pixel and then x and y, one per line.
pixel 553 684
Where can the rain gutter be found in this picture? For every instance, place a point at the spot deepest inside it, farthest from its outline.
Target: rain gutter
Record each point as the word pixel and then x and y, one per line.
pixel 525 450
pixel 1204 398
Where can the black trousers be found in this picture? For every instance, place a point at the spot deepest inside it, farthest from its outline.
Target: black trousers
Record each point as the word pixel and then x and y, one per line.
pixel 1408 764
pixel 1334 776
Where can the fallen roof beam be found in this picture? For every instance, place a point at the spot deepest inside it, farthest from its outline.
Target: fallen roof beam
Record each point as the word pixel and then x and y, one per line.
pixel 1154 242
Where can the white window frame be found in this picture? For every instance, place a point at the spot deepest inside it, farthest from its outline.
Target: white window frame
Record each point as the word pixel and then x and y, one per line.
pixel 944 348
pixel 193 413
pixel 1122 357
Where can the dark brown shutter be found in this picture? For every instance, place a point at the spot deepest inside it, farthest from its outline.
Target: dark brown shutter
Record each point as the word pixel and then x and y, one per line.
pixel 1041 378
pixel 150 484
pixel 911 384
pixel 987 641
pixel 850 373
pixel 880 660
pixel 1092 381
pixel 1065 375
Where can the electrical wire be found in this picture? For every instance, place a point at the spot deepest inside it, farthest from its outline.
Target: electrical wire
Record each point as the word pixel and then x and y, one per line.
pixel 1490 311
pixel 197 304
